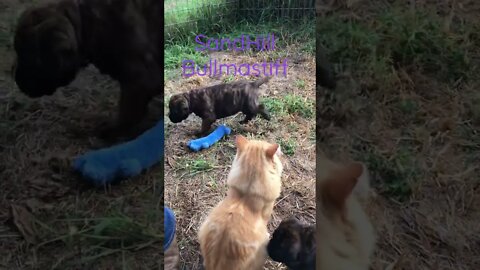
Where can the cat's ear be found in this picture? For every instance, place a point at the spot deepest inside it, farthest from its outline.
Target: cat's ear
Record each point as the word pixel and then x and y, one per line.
pixel 272 150
pixel 354 170
pixel 240 141
pixel 279 151
pixel 339 188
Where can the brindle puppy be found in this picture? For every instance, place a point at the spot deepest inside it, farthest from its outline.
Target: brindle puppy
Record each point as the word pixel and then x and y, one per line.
pixel 122 38
pixel 293 244
pixel 219 101
pixel 325 73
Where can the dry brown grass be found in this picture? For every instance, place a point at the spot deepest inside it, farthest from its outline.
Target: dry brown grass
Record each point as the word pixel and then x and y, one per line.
pixel 195 182
pixel 419 134
pixel 49 218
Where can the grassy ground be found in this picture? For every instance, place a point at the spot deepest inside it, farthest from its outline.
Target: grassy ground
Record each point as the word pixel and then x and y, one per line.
pixel 181 11
pixel 408 106
pixel 195 182
pixel 49 218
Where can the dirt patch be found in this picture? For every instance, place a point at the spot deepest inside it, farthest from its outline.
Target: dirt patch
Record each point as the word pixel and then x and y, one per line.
pixel 195 182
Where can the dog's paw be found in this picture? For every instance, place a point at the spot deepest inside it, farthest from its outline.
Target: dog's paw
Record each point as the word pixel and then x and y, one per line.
pixel 201 134
pixel 106 130
pixel 113 133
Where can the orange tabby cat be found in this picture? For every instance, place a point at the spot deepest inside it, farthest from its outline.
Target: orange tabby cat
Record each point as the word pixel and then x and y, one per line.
pixel 234 235
pixel 345 236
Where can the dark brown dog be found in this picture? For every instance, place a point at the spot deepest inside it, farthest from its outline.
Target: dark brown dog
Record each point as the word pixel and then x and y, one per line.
pixel 122 38
pixel 324 70
pixel 325 73
pixel 219 101
pixel 293 244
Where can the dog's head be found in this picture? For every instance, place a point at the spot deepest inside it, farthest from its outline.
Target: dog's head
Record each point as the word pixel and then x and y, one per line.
pixel 293 243
pixel 179 108
pixel 47 50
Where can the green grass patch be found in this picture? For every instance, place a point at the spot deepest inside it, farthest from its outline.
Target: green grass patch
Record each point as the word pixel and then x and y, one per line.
pixel 418 38
pixel 183 18
pixel 175 54
pixel 195 166
pixel 177 11
pixel 407 106
pixel 300 84
pixel 274 105
pixel 397 38
pixel 290 104
pixel 397 174
pixel 288 146
pixel 285 33
pixel 228 78
pixel 295 104
pixel 103 237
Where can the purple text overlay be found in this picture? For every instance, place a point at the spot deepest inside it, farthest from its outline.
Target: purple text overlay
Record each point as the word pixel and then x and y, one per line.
pixel 242 43
pixel 213 68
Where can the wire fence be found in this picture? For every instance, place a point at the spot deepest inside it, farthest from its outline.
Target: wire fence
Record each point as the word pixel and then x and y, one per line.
pixel 277 9
pixel 192 11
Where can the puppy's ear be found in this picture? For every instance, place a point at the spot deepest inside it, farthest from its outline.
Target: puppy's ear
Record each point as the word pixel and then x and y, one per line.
pixel 172 100
pixel 241 142
pixel 66 42
pixel 184 101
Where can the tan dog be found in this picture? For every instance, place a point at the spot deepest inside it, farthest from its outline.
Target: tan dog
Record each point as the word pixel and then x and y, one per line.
pixel 234 236
pixel 122 38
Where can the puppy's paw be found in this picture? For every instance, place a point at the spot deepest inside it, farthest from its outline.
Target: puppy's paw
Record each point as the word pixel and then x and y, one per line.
pixel 113 133
pixel 200 134
pixel 246 120
pixel 108 132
